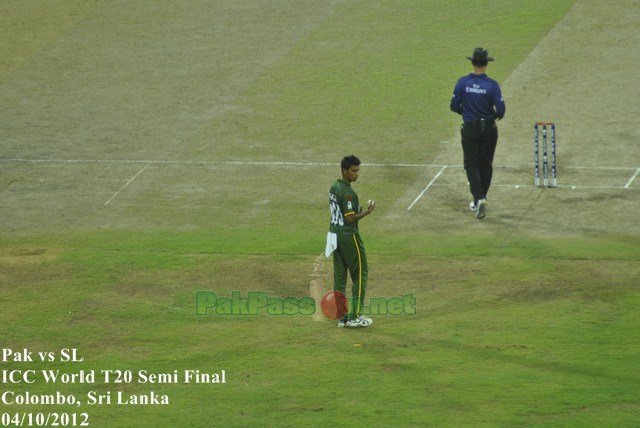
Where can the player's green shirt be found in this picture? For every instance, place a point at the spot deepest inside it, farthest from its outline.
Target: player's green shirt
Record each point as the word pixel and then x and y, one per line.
pixel 343 201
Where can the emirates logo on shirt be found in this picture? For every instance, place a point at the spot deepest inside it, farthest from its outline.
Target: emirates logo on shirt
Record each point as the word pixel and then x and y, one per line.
pixel 476 89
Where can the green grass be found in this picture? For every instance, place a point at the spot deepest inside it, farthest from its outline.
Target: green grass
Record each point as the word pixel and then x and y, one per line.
pixel 512 328
pixel 511 338
pixel 377 77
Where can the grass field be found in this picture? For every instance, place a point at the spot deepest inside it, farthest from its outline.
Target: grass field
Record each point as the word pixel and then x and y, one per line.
pixel 150 150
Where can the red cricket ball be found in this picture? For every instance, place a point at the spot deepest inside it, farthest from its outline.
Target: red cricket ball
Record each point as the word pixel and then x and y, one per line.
pixel 334 305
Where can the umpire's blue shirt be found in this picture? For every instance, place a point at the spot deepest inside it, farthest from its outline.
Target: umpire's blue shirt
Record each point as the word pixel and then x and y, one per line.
pixel 477 96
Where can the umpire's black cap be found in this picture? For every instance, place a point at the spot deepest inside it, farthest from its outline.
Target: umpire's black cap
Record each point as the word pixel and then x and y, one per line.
pixel 480 55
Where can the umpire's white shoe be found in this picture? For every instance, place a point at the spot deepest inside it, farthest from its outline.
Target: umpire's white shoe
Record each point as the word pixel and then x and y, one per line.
pixel 472 206
pixel 359 322
pixel 481 209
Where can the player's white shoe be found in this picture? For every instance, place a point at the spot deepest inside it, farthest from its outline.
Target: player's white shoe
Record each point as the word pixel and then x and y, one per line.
pixel 341 324
pixel 359 322
pixel 472 206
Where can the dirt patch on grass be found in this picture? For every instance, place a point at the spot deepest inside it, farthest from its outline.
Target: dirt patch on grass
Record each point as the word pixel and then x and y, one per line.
pixel 26 256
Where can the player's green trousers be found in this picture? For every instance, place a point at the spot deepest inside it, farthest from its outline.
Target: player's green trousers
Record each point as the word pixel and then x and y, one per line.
pixel 351 256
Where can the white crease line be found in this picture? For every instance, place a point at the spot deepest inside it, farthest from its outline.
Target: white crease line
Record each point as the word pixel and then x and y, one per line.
pixel 126 184
pixel 626 186
pixel 527 186
pixel 415 201
pixel 205 162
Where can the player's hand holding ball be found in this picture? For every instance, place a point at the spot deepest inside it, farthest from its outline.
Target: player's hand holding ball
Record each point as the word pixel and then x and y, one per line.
pixel 371 205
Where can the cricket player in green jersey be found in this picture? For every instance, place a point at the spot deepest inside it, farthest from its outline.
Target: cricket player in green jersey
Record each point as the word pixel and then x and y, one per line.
pixel 345 241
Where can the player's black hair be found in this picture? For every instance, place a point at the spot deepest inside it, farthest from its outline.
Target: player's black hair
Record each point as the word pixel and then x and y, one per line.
pixel 349 161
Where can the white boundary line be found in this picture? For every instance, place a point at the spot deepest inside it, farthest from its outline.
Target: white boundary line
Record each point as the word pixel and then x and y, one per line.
pixel 433 180
pixel 287 163
pixel 432 183
pixel 126 184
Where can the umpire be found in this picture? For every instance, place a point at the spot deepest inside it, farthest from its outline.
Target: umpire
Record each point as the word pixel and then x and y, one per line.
pixel 478 99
